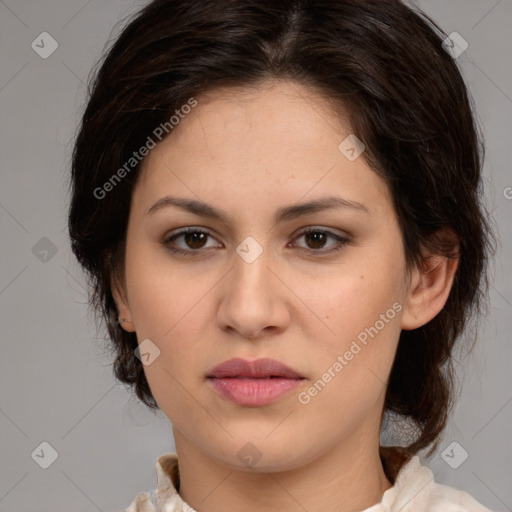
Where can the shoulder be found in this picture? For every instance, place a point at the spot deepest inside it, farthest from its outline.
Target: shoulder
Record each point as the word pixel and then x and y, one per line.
pixel 415 490
pixel 165 496
pixel 448 499
pixel 141 503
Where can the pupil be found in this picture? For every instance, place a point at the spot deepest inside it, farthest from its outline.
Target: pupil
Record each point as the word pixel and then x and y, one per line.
pixel 195 237
pixel 318 238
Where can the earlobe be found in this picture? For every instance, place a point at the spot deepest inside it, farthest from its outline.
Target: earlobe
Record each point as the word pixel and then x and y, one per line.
pixel 429 289
pixel 126 324
pixel 125 317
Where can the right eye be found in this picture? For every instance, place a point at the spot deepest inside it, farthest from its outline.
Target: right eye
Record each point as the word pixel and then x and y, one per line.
pixel 193 238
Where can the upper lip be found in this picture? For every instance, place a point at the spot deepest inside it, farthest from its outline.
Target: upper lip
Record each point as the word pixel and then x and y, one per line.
pixel 260 368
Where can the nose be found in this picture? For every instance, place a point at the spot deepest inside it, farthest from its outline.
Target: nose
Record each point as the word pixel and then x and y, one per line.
pixel 253 298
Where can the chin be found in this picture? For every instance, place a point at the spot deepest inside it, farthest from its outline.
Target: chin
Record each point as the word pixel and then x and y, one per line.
pixel 265 456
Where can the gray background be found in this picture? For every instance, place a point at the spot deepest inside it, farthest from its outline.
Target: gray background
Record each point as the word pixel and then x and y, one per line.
pixel 55 377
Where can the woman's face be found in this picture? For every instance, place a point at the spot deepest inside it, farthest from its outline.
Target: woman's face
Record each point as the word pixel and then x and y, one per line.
pixel 254 285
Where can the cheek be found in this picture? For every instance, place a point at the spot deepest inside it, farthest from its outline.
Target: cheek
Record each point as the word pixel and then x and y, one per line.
pixel 351 367
pixel 161 296
pixel 352 297
pixel 360 307
pixel 165 307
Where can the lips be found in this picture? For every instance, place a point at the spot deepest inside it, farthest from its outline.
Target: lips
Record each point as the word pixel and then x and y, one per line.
pixel 253 384
pixel 258 369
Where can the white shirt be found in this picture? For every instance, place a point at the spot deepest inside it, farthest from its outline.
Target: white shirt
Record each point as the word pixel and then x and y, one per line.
pixel 414 490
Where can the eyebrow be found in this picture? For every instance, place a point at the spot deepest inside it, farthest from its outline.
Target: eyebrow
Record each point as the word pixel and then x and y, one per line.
pixel 285 213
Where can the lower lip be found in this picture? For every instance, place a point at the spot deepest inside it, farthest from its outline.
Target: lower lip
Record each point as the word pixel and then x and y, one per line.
pixel 253 392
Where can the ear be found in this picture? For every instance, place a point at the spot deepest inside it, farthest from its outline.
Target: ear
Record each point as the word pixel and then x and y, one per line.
pixel 121 300
pixel 430 284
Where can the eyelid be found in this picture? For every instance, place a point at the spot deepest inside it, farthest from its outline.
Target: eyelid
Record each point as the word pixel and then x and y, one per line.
pixel 323 229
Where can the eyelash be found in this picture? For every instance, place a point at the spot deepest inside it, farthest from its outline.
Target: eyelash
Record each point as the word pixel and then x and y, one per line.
pixel 169 241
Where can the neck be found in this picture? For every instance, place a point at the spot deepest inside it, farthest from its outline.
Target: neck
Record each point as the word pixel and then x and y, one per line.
pixel 348 478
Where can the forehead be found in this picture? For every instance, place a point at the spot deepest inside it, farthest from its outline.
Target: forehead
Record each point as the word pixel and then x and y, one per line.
pixel 280 139
pixel 299 116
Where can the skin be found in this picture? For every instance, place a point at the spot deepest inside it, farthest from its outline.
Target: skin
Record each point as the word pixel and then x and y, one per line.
pixel 250 151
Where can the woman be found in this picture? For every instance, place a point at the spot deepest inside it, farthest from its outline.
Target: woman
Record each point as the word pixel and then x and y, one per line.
pixel 279 208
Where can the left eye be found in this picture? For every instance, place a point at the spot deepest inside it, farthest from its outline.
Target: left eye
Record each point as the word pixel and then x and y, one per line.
pixel 316 239
pixel 195 239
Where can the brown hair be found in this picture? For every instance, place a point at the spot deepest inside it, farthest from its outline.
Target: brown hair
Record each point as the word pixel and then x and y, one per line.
pixel 381 61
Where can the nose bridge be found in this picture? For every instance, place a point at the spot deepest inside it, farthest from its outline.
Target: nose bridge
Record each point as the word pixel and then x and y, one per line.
pixel 251 275
pixel 251 302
